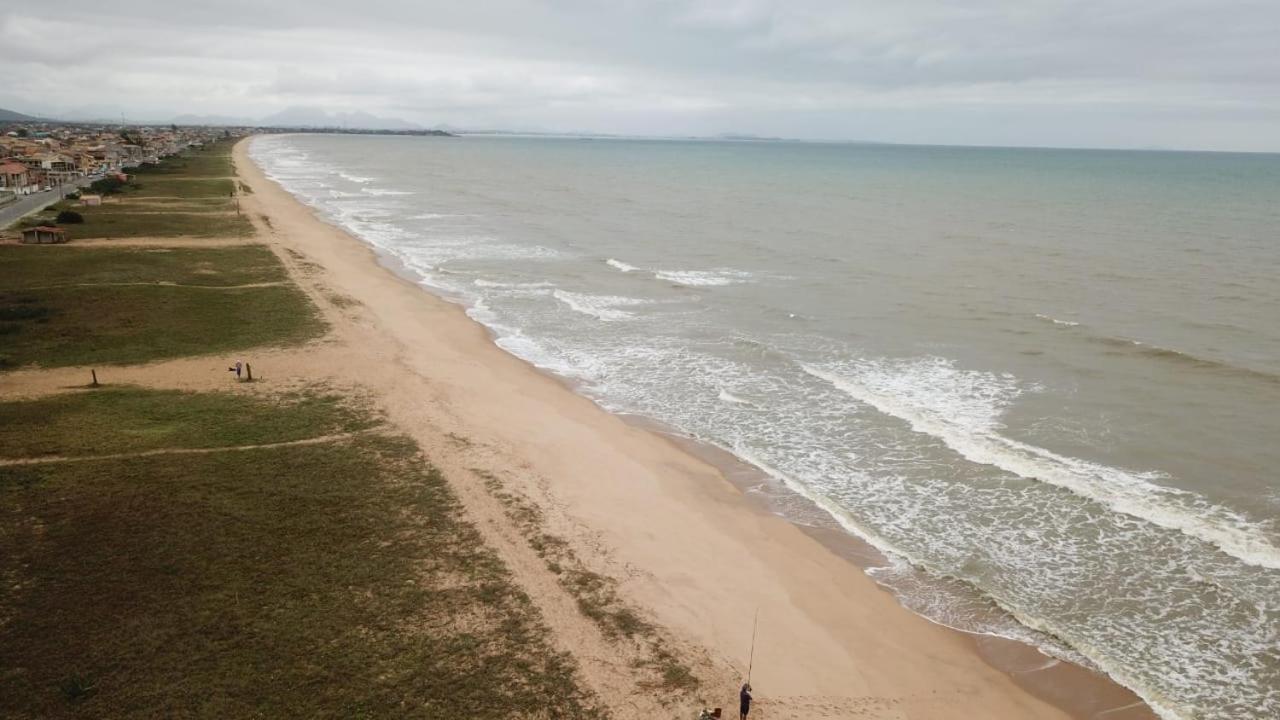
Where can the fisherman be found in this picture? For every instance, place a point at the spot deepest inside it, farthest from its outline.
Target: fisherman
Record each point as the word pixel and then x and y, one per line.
pixel 744 701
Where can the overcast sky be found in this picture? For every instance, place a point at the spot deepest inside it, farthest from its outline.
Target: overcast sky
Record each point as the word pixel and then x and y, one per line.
pixel 1102 73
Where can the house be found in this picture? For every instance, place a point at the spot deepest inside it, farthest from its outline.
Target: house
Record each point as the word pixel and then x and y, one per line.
pixel 56 167
pixel 16 178
pixel 44 234
pixel 91 200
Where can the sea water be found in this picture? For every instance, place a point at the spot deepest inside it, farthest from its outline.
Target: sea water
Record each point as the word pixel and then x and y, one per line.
pixel 1046 383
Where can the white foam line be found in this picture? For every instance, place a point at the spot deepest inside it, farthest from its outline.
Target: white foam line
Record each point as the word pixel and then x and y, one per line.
pixel 1158 704
pixel 601 307
pixel 1056 321
pixel 1118 490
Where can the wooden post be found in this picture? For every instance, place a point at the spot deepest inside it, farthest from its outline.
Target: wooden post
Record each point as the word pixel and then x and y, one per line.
pixel 94 373
pixel 248 371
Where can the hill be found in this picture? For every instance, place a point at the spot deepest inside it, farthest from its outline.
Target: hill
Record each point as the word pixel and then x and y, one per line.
pixel 11 116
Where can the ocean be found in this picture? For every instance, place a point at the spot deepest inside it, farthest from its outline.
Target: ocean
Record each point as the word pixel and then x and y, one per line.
pixel 1044 383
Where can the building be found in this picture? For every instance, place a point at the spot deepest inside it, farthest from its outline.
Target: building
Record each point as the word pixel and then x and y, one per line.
pixel 16 178
pixel 44 234
pixel 56 167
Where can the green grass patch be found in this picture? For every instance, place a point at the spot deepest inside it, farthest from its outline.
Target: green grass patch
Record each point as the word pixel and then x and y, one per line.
pixel 334 580
pixel 182 187
pixel 24 267
pixel 135 324
pixel 112 420
pixel 118 223
pixel 205 162
pixel 210 205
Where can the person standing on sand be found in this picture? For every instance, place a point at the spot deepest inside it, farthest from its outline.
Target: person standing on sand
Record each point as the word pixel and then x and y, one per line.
pixel 744 701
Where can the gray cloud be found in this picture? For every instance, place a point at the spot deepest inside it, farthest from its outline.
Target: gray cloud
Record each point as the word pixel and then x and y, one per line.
pixel 1182 73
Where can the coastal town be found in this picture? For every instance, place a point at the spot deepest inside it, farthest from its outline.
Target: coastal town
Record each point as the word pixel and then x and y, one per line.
pixel 40 157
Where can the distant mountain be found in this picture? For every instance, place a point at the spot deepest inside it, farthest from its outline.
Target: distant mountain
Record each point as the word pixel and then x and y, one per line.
pixel 11 116
pixel 310 117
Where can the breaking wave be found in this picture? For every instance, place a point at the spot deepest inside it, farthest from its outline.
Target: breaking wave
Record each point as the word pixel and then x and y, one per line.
pixel 963 408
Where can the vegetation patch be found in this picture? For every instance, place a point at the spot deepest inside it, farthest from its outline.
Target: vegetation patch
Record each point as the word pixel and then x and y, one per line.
pixel 114 420
pixel 596 595
pixel 23 267
pixel 328 580
pixel 116 223
pixel 62 326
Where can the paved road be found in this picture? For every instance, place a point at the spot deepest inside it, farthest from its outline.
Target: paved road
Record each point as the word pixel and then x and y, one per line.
pixel 10 213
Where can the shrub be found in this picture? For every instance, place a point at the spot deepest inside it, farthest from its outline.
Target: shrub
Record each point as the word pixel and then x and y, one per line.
pixel 69 217
pixel 107 185
pixel 73 195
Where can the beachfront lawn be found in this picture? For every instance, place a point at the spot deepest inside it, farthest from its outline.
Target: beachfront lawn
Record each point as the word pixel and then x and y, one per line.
pixel 58 305
pixel 335 579
pixel 157 205
pixel 157 222
pixel 24 267
pixel 211 161
pixel 135 324
pixel 182 187
pixel 123 419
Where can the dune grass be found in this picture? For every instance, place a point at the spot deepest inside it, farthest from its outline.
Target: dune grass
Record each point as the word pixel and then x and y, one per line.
pixel 597 596
pixel 329 580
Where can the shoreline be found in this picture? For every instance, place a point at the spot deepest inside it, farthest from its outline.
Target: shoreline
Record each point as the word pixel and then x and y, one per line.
pixel 842 645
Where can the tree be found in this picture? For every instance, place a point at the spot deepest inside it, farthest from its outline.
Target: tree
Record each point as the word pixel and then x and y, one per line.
pixel 107 185
pixel 69 217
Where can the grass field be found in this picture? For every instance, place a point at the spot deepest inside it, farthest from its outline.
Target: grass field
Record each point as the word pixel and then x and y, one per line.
pixel 211 161
pixel 118 325
pixel 58 305
pixel 42 266
pixel 204 570
pixel 117 223
pixel 183 187
pixel 329 580
pixel 112 420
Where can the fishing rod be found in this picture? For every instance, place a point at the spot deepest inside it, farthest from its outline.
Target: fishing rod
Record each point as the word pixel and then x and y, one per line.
pixel 751 659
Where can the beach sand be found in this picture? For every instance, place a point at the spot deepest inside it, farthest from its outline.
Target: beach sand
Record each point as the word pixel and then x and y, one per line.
pixel 690 551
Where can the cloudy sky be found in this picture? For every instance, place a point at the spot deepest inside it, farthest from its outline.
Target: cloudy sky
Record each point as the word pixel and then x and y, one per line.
pixel 1102 73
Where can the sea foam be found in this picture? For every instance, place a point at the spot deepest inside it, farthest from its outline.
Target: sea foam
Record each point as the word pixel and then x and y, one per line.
pixel 601 307
pixel 963 410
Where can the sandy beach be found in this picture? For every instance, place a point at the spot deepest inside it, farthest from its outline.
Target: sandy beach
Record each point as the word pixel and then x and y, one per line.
pixel 690 552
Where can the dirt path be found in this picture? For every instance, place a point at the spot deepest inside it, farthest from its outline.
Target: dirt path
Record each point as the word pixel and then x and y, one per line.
pixel 173 451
